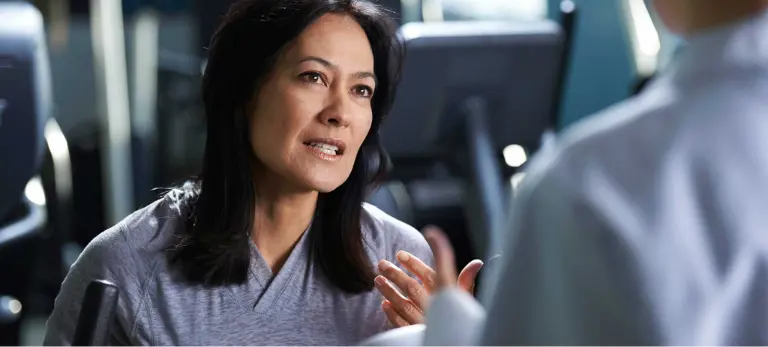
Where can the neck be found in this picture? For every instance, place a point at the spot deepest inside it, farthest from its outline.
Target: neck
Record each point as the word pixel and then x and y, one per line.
pixel 281 218
pixel 706 15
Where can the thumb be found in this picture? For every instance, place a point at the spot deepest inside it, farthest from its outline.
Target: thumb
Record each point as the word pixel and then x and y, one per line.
pixel 468 275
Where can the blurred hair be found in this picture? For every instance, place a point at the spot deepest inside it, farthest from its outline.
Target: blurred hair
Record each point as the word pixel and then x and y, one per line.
pixel 213 246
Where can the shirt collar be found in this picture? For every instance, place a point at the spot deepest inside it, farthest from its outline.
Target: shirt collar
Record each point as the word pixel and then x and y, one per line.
pixel 741 45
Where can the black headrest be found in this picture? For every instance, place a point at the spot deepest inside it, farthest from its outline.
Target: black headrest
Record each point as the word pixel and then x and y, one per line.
pixel 25 98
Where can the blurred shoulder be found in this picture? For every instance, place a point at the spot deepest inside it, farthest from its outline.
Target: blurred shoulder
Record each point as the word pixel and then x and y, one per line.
pixel 385 235
pixel 625 142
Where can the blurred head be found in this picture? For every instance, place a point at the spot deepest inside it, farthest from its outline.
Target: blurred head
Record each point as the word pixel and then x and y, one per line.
pixel 294 92
pixel 687 17
pixel 672 13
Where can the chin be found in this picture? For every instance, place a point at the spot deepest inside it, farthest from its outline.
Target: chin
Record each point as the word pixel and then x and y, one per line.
pixel 320 179
pixel 326 186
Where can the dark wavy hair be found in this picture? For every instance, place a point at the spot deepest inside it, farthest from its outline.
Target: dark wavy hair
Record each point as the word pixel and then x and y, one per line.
pixel 213 246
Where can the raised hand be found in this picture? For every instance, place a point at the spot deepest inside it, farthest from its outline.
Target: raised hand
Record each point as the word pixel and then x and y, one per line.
pixel 405 298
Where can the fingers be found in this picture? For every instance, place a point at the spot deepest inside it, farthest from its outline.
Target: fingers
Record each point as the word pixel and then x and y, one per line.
pixel 468 276
pixel 409 286
pixel 402 305
pixel 445 263
pixel 394 318
pixel 413 264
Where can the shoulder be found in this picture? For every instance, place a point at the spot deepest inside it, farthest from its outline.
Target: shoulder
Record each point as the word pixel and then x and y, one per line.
pixel 625 141
pixel 126 255
pixel 384 235
pixel 633 125
pixel 602 163
pixel 136 243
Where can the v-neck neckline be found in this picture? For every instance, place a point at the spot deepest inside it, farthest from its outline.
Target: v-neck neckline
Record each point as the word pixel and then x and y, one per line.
pixel 260 296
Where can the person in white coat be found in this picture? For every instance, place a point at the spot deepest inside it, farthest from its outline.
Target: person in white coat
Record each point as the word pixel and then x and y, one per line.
pixel 647 224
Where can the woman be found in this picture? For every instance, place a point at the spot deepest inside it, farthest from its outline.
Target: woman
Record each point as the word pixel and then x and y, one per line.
pixel 274 244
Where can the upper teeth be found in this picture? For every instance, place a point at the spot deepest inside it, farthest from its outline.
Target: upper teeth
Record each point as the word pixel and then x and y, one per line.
pixel 324 147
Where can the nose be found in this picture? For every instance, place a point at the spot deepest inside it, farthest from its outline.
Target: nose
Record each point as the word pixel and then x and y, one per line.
pixel 336 114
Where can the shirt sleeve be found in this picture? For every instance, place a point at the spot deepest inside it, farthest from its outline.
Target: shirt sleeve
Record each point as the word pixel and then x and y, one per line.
pixel 566 278
pixel 100 260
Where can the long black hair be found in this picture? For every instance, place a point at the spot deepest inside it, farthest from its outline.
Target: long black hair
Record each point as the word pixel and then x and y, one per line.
pixel 213 246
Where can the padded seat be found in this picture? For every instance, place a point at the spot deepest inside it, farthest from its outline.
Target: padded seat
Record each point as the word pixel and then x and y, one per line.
pixel 392 198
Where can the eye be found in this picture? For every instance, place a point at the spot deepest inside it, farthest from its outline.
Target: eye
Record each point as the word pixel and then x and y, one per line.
pixel 313 77
pixel 363 91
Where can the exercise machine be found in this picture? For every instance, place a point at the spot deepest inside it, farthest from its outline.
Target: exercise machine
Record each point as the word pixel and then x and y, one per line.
pixel 25 106
pixel 482 112
pixel 470 89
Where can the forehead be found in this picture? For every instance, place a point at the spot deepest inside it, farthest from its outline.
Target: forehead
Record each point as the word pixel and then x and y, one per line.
pixel 337 38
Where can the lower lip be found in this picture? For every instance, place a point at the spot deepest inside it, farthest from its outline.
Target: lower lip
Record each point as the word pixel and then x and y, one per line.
pixel 322 155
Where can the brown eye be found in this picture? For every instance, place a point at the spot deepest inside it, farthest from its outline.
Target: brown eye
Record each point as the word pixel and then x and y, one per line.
pixel 363 91
pixel 312 77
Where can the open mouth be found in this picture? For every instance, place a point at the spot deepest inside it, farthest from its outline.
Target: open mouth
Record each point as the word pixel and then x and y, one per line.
pixel 325 148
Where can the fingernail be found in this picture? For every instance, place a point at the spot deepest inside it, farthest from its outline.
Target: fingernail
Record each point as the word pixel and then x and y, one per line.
pixel 385 305
pixel 403 256
pixel 379 280
pixel 384 265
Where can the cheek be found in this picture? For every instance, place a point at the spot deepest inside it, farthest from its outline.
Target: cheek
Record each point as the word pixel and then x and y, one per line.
pixel 362 128
pixel 259 135
pixel 281 119
pixel 269 133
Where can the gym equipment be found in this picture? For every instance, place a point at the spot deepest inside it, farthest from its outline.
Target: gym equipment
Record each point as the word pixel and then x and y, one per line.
pixel 643 37
pixel 393 198
pixel 180 125
pixel 601 65
pixel 568 15
pixel 96 314
pixel 469 89
pixel 144 80
pixel 51 264
pixel 25 106
pixel 468 97
pixel 107 33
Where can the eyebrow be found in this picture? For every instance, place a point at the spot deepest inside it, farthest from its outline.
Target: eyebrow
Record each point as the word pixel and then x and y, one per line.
pixel 332 66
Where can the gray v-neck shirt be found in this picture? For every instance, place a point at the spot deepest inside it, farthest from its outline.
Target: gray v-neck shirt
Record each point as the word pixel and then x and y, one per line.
pixel 298 306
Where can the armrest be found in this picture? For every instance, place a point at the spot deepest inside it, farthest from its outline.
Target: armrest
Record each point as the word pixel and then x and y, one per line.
pixel 30 224
pixel 96 314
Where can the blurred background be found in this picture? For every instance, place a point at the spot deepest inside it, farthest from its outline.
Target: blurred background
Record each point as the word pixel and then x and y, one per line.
pixel 120 115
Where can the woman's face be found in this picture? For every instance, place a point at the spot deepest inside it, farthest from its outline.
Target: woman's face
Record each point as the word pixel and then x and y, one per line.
pixel 313 111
